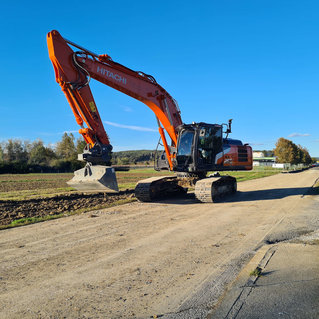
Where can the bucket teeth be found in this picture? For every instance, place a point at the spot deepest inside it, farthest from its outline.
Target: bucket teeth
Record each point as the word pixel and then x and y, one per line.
pixel 96 178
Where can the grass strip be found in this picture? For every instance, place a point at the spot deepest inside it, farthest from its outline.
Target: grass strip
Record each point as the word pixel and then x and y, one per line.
pixel 248 175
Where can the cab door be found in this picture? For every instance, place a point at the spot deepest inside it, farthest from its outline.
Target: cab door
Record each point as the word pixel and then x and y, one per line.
pixel 184 155
pixel 209 145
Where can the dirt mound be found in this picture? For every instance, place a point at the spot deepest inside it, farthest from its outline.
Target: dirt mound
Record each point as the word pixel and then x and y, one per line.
pixel 11 210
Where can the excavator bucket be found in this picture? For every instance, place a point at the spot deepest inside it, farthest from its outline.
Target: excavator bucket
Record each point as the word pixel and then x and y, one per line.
pixel 96 178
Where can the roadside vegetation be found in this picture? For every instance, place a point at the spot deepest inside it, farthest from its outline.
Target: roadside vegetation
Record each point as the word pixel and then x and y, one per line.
pixel 288 152
pixel 18 156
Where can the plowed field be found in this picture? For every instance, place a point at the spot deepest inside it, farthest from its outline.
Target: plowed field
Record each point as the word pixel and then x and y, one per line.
pixel 29 196
pixel 40 207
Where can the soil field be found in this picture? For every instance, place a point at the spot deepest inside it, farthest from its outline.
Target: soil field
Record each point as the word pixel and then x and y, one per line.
pixel 31 209
pixel 20 182
pixel 25 186
pixel 27 198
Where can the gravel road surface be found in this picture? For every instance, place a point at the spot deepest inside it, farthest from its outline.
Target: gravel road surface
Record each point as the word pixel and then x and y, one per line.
pixel 170 259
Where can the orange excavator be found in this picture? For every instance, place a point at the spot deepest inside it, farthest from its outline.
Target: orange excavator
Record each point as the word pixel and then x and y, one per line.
pixel 192 151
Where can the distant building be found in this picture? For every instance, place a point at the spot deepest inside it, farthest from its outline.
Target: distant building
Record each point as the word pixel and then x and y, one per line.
pixel 258 154
pixel 264 161
pixel 261 159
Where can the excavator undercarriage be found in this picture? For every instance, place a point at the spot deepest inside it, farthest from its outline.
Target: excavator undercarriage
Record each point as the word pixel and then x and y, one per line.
pixel 154 188
pixel 207 190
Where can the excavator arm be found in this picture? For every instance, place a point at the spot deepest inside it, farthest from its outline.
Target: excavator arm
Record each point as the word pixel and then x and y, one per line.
pixel 73 71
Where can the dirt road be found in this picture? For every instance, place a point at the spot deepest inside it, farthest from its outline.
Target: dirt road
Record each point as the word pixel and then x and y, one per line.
pixel 171 258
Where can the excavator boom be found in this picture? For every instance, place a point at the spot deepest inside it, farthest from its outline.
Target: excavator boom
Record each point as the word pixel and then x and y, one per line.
pixel 73 71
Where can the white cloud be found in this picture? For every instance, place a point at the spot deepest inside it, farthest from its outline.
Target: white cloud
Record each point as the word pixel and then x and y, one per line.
pixel 131 127
pixel 298 134
pixel 127 109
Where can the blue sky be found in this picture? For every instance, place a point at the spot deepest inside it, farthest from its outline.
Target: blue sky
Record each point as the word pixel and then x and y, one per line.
pixel 256 62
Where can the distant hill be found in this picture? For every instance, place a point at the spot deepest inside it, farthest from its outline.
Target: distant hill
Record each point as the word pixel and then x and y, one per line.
pixel 132 157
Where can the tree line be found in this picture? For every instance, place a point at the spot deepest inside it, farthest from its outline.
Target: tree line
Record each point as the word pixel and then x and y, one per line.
pixel 17 156
pixel 288 152
pixel 133 157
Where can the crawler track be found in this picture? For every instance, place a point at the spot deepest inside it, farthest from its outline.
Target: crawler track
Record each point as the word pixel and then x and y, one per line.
pixel 157 187
pixel 209 190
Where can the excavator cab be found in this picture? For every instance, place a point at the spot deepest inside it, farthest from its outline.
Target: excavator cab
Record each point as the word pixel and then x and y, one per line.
pixel 198 146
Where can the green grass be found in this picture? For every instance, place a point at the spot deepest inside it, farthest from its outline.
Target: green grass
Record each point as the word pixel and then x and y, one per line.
pixel 125 186
pixel 257 172
pixel 256 272
pixel 32 220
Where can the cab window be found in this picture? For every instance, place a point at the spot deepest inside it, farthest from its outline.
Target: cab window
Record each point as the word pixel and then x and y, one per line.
pixel 185 144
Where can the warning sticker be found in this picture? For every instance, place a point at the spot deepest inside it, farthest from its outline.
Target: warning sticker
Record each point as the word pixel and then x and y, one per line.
pixel 92 106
